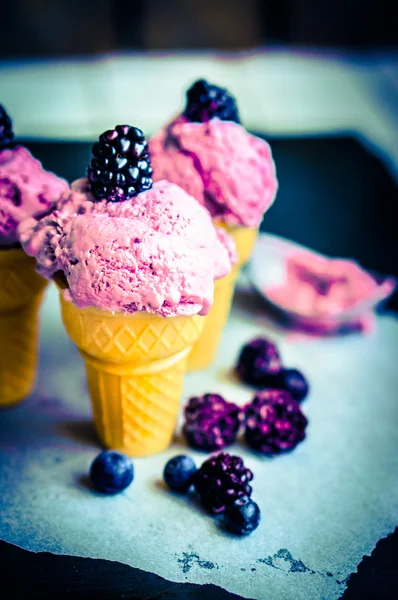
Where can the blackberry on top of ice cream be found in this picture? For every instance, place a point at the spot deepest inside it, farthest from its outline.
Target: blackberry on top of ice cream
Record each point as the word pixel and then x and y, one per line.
pixel 6 132
pixel 120 167
pixel 206 101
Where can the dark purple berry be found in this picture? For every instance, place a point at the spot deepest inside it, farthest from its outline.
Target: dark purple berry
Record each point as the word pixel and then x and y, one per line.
pixel 274 422
pixel 109 136
pixel 104 149
pixel 133 174
pixel 258 360
pixel 139 150
pixel 221 480
pixel 111 472
pixel 294 382
pixel 123 130
pixel 206 101
pixel 120 179
pixel 120 165
pixel 178 473
pixel 117 163
pixel 211 423
pixel 6 131
pixel 243 517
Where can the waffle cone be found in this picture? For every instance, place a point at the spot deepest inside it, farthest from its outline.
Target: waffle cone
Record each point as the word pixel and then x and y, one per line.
pixel 205 349
pixel 135 367
pixel 21 291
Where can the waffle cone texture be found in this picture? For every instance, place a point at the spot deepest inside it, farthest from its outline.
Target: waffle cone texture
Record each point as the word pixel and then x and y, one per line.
pixel 135 368
pixel 205 349
pixel 21 291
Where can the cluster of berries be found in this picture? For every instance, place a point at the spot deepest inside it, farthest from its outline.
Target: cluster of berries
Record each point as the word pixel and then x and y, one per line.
pixel 223 486
pixel 273 421
pixel 222 482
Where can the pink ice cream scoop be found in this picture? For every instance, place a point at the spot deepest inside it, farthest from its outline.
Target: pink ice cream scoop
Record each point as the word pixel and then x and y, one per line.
pixel 209 154
pixel 158 251
pixel 25 189
pixel 316 286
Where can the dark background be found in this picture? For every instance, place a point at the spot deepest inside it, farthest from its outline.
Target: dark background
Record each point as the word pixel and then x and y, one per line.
pixel 334 196
pixel 81 27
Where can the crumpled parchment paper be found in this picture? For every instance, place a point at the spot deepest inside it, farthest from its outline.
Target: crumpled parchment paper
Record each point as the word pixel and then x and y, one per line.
pixel 324 505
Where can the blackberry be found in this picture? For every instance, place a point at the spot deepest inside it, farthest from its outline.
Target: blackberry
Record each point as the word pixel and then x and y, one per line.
pixel 221 480
pixel 259 363
pixel 274 422
pixel 6 132
pixel 206 101
pixel 120 167
pixel 211 423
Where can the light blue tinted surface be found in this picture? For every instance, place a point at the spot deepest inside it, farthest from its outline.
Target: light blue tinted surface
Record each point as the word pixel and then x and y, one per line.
pixel 324 505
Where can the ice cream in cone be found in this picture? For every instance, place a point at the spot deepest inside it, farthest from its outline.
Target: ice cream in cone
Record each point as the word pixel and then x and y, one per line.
pixel 136 266
pixel 205 349
pixel 25 189
pixel 207 152
pixel 21 291
pixel 135 368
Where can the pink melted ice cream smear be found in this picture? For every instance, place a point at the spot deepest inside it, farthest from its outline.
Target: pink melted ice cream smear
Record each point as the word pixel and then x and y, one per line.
pixel 226 169
pixel 318 287
pixel 157 252
pixel 25 189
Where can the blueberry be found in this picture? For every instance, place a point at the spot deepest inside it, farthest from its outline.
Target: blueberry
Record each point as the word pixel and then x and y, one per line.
pixel 242 517
pixel 178 473
pixel 295 383
pixel 111 472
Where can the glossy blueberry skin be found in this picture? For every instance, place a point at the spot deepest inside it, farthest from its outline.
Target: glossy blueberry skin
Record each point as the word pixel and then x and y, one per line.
pixel 294 382
pixel 178 473
pixel 243 517
pixel 111 472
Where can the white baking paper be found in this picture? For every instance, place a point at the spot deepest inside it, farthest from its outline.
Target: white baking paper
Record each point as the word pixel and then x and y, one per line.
pixel 323 506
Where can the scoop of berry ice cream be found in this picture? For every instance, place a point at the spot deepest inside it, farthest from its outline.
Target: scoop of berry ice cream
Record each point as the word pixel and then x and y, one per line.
pixel 225 168
pixel 158 251
pixel 316 286
pixel 25 189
